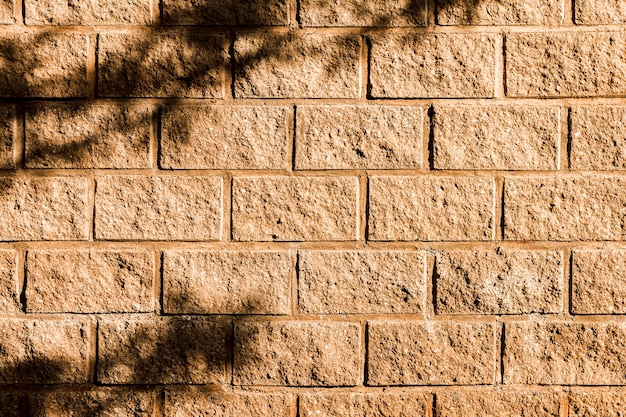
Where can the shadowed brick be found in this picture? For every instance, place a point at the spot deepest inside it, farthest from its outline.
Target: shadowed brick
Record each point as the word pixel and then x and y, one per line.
pixel 101 402
pixel 378 13
pixel 7 134
pixel 226 12
pixel 500 12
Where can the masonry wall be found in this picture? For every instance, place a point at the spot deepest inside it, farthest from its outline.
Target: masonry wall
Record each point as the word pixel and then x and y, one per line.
pixel 312 208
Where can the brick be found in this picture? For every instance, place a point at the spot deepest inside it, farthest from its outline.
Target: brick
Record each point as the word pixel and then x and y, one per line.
pixel 499 282
pixel 158 208
pixel 597 404
pixel 496 137
pixel 88 136
pixel 274 65
pixel 28 71
pixel 297 353
pixel 418 353
pixel 101 402
pixel 227 282
pixel 9 291
pixel 7 131
pixel 598 12
pixel 228 12
pixel 565 353
pixel 567 64
pixel 226 137
pixel 402 404
pixel 113 12
pixel 161 65
pixel 496 12
pixel 44 351
pixel 51 208
pixel 7 12
pixel 10 404
pixel 599 282
pixel 360 282
pixel 433 66
pixel 89 281
pixel 496 403
pixel 203 403
pixel 294 208
pixel 189 350
pixel 377 13
pixel 431 208
pixel 597 135
pixel 564 208
pixel 359 137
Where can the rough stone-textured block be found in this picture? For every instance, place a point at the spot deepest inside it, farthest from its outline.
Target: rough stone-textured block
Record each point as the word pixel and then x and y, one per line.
pixel 27 69
pixel 88 136
pixel 377 13
pixel 53 208
pixel 437 66
pixel 598 138
pixel 44 351
pixel 566 64
pixel 292 66
pixel 597 404
pixel 365 282
pixel 9 291
pixel 498 403
pixel 102 402
pixel 499 282
pixel 226 137
pixel 599 12
pixel 226 12
pixel 7 12
pixel 564 208
pixel 297 353
pixel 202 403
pixel 356 137
pixel 161 65
pixel 294 208
pixel 431 208
pixel 227 282
pixel 7 131
pixel 89 281
pixel 10 404
pixel 565 353
pixel 499 12
pixel 496 137
pixel 599 282
pixel 189 350
pixel 418 353
pixel 111 12
pixel 401 404
pixel 158 208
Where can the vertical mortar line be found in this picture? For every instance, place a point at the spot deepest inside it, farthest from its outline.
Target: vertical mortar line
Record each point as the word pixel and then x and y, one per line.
pixel 568 259
pixel 498 351
pixel 295 278
pixel 93 349
pixel 566 137
pixel 228 75
pixel 364 65
pixel 155 138
pixel 227 192
pixel 502 213
pixel 295 406
pixel 499 208
pixel 92 51
pixel 431 13
pixel 293 10
pixel 363 196
pixel 229 365
pixel 368 68
pixel 502 351
pixel 430 283
pixel 503 65
pixel 157 281
pixel 429 149
pixel 91 206
pixel 19 136
pixel 19 14
pixel 569 11
pixel 499 68
pixel 433 406
pixel 21 278
pixel 291 144
pixel 156 12
pixel 564 406
pixel 364 349
pixel 159 402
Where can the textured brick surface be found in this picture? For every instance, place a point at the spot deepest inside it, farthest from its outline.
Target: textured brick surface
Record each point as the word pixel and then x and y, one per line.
pixel 590 12
pixel 496 403
pixel 379 13
pixel 426 208
pixel 111 12
pixel 599 282
pixel 597 403
pixel 196 402
pixel 7 134
pixel 220 282
pixel 352 137
pixel 95 403
pixel 497 12
pixel 361 404
pixel 597 138
pixel 9 291
pixel 7 12
pixel 228 12
pixel 10 404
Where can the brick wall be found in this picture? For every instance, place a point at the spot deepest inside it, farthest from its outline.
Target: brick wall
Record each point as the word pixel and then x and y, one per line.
pixel 312 208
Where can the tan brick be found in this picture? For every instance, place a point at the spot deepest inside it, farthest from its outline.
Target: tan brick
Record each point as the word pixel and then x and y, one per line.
pixel 53 208
pixel 160 65
pixel 101 402
pixel 158 208
pixel 498 12
pixel 202 403
pixel 89 281
pixel 297 66
pixel 7 132
pixel 598 12
pixel 360 282
pixel 9 291
pixel 402 404
pixel 44 351
pixel 497 403
pixel 226 12
pixel 297 353
pixel 499 282
pixel 418 353
pixel 599 282
pixel 437 66
pixel 88 136
pixel 226 137
pixel 496 137
pixel 567 64
pixel 294 208
pixel 10 404
pixel 354 137
pixel 431 208
pixel 597 404
pixel 227 282
pixel 378 13
pixel 597 138
pixel 565 353
pixel 27 69
pixel 558 208
pixel 111 12
pixel 160 350
pixel 7 12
